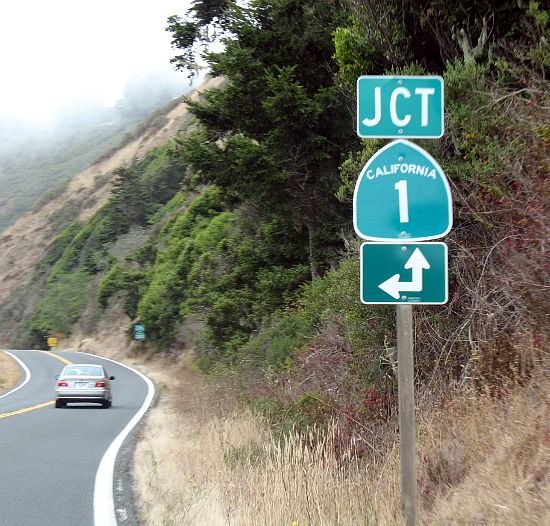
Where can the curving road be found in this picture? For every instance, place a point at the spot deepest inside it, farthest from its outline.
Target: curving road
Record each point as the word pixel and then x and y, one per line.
pixel 57 466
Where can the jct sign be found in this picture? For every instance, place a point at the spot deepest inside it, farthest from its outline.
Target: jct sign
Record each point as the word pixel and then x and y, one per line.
pixel 392 107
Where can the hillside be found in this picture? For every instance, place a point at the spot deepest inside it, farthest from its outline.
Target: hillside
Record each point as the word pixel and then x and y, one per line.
pixel 41 158
pixel 25 242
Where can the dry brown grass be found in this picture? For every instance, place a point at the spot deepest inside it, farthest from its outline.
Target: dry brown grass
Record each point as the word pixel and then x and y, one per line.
pixel 203 459
pixel 9 372
pixel 203 463
pixel 487 461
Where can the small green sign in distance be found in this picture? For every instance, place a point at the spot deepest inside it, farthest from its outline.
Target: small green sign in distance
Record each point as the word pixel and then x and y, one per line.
pixel 402 194
pixel 397 107
pixel 393 273
pixel 139 332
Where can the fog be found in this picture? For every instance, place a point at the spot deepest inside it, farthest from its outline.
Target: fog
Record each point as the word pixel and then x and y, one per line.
pixel 77 77
pixel 143 93
pixel 36 158
pixel 55 53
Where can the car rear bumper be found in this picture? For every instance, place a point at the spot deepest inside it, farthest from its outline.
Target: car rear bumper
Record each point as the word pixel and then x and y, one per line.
pixel 83 395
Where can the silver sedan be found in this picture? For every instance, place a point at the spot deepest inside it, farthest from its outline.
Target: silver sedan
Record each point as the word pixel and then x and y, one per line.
pixel 83 383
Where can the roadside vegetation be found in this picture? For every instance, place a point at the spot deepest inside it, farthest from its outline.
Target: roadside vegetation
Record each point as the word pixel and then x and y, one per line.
pixel 9 372
pixel 233 245
pixel 205 458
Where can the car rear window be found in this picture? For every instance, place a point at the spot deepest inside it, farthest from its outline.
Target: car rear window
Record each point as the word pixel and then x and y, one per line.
pixel 83 370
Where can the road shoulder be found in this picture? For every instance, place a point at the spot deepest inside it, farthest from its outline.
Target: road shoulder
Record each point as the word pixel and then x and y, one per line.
pixel 9 372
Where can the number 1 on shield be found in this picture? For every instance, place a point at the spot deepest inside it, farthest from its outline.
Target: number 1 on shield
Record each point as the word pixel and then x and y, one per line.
pixel 401 187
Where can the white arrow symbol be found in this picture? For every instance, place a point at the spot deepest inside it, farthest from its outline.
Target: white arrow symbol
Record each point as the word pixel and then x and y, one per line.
pixel 394 287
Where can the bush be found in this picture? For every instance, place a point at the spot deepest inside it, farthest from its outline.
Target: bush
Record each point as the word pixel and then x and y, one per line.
pixel 121 279
pixel 61 306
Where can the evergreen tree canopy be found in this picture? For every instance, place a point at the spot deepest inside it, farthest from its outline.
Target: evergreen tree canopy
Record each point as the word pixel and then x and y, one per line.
pixel 276 133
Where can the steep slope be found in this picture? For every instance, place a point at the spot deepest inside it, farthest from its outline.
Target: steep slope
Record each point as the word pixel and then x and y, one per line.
pixel 36 159
pixel 24 243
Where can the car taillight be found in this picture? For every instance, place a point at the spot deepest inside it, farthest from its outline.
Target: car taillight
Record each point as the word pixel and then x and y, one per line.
pixel 62 384
pixel 100 384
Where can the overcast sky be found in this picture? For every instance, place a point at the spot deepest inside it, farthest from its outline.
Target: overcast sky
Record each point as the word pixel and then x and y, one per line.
pixel 53 52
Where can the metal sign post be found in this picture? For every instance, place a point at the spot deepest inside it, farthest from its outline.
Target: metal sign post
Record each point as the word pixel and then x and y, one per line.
pixel 407 424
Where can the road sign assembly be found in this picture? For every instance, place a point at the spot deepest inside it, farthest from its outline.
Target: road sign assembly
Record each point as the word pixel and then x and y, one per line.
pixel 393 273
pixel 402 194
pixel 406 106
pixel 401 197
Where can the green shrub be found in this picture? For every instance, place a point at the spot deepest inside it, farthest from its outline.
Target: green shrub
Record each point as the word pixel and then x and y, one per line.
pixel 61 305
pixel 121 279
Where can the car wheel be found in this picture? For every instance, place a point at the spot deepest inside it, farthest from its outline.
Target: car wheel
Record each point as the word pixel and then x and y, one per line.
pixel 59 403
pixel 106 404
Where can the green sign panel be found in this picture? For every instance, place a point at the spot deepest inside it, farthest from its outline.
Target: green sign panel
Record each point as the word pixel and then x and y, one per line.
pixel 402 194
pixel 395 107
pixel 394 273
pixel 139 332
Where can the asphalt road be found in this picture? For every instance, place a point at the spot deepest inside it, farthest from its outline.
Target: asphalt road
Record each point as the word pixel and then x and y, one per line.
pixel 50 458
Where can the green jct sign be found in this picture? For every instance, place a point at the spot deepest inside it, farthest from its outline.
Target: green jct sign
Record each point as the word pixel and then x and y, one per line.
pixel 392 107
pixel 402 194
pixel 394 273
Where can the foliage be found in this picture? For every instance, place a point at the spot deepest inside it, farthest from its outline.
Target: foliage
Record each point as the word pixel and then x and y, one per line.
pixel 225 266
pixel 493 154
pixel 120 278
pixel 61 306
pixel 261 253
pixel 159 308
pixel 385 36
pixel 331 299
pixel 195 27
pixel 57 248
pixel 82 250
pixel 276 132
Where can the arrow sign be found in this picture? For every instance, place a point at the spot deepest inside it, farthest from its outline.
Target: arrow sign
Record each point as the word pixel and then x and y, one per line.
pixel 392 286
pixel 404 273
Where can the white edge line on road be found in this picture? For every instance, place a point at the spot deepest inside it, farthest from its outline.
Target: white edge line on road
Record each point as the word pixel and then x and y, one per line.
pixel 27 375
pixel 104 504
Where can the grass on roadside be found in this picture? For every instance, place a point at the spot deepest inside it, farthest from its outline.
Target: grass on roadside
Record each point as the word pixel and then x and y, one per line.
pixel 205 460
pixel 9 372
pixel 200 462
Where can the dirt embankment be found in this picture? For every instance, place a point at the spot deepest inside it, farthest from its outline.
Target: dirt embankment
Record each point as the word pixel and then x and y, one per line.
pixel 24 243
